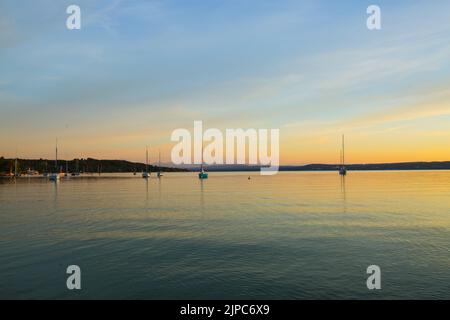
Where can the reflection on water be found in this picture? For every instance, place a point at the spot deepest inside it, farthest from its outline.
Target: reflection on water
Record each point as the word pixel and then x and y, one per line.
pixel 146 191
pixel 344 194
pixel 202 197
pixel 295 235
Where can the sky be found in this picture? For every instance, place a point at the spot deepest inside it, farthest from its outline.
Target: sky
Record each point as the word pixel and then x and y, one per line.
pixel 137 70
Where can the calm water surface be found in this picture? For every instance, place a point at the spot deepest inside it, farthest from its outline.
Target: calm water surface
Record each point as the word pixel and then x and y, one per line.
pixel 296 235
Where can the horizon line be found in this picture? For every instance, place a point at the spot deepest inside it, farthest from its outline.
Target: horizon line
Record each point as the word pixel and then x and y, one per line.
pixel 235 164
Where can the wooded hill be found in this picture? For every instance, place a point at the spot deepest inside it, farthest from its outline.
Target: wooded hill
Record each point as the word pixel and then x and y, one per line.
pixel 78 165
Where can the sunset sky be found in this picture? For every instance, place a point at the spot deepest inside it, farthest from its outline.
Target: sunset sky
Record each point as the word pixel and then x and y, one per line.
pixel 137 70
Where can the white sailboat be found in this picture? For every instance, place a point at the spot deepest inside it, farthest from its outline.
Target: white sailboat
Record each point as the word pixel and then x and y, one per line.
pixel 16 171
pixel 55 175
pixel 146 174
pixel 159 165
pixel 342 169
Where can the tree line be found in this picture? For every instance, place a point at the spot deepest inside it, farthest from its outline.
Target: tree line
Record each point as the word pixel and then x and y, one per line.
pixel 88 165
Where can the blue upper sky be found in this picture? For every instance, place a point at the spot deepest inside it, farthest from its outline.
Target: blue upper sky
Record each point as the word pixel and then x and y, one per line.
pixel 139 69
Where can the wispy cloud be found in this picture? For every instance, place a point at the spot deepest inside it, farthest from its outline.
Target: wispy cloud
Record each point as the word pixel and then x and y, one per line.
pixel 438 105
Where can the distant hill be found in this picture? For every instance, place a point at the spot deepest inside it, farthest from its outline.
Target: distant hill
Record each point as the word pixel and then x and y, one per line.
pixel 442 165
pixel 81 165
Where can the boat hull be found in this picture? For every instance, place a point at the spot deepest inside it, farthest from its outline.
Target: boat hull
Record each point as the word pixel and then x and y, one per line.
pixel 54 177
pixel 203 175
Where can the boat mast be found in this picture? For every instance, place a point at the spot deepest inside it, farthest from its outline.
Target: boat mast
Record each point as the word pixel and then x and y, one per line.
pixel 201 166
pixel 15 164
pixel 56 156
pixel 159 161
pixel 146 159
pixel 343 151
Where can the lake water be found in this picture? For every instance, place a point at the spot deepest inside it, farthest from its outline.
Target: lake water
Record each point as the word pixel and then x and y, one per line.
pixel 296 235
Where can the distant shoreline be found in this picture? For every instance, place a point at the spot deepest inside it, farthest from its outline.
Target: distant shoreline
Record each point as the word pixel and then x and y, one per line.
pixel 90 165
pixel 405 166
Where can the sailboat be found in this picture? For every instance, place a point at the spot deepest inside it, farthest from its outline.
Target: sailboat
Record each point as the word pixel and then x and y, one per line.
pixel 342 169
pixel 16 172
pixel 55 176
pixel 159 165
pixel 202 175
pixel 145 174
pixel 16 169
